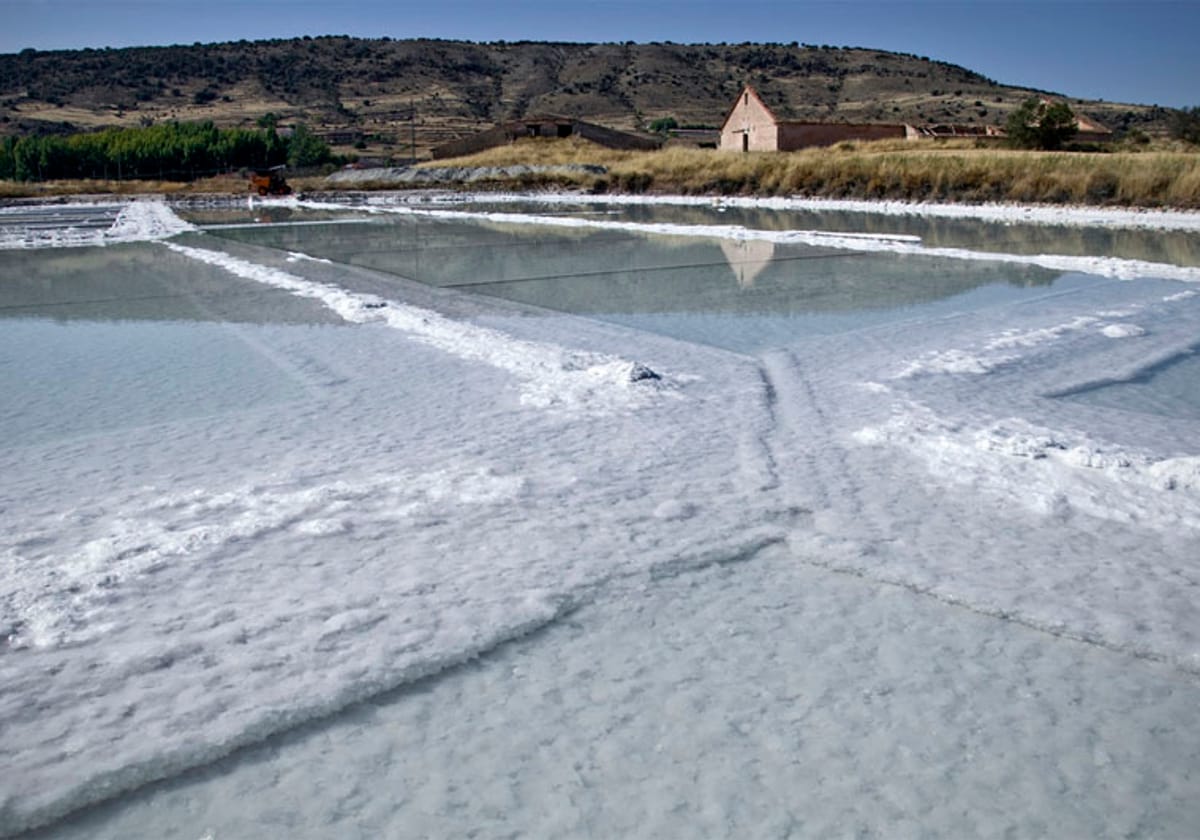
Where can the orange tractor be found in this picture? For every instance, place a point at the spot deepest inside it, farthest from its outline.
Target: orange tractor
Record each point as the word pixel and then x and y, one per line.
pixel 269 181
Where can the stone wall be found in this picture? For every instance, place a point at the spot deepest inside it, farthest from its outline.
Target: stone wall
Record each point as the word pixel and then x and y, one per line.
pixel 794 136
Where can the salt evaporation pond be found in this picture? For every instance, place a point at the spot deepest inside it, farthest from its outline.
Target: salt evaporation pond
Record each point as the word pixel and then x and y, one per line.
pixel 370 518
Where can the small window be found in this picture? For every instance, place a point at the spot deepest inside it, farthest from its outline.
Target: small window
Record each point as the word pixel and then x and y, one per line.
pixel 746 100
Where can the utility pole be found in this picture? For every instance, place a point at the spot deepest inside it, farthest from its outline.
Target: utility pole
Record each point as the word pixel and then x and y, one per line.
pixel 412 131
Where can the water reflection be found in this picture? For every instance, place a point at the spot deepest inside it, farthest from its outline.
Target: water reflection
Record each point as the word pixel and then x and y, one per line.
pixel 139 282
pixel 1172 247
pixel 238 213
pixel 747 258
pixel 605 272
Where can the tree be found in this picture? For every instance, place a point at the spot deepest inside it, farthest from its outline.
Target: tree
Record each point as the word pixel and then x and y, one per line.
pixel 177 151
pixel 664 125
pixel 1185 124
pixel 306 148
pixel 1039 124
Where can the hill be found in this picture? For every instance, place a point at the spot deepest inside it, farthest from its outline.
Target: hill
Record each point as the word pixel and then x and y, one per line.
pixel 388 96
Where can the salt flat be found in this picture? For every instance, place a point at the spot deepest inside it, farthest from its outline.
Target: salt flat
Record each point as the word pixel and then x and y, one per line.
pixel 382 558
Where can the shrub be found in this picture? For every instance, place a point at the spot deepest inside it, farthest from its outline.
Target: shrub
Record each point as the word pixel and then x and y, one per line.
pixel 664 125
pixel 1185 125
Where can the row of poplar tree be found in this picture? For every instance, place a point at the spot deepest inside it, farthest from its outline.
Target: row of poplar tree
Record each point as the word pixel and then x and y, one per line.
pixel 168 151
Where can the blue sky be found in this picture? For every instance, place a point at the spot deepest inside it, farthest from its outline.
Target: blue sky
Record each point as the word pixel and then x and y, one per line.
pixel 1146 52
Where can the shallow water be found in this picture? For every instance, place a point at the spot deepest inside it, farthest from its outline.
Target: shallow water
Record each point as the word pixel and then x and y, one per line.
pixel 1014 237
pixel 96 339
pixel 1170 389
pixel 744 296
pixel 67 378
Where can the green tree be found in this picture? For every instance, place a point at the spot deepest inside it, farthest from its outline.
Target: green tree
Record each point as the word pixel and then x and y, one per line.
pixel 179 151
pixel 305 148
pixel 664 125
pixel 1039 124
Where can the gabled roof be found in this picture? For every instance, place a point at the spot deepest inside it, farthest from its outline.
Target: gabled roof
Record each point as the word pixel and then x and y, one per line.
pixel 780 106
pixel 774 112
pixel 748 90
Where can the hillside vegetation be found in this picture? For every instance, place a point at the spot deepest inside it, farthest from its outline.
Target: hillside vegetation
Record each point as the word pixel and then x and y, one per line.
pixel 393 97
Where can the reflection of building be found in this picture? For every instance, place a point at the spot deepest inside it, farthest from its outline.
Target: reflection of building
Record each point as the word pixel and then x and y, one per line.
pixel 748 258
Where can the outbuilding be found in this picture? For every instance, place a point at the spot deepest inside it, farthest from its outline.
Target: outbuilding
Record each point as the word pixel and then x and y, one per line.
pixel 545 126
pixel 751 126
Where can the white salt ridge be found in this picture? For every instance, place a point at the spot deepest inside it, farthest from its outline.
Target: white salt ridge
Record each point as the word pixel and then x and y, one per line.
pixel 1107 483
pixel 296 256
pixel 1123 330
pixel 1048 472
pixel 551 376
pixel 135 221
pixel 142 221
pixel 1072 471
pixel 1066 215
pixel 1178 296
pixel 998 351
pixel 1114 267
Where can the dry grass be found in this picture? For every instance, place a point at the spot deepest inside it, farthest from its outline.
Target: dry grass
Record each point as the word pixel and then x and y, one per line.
pixel 30 189
pixel 882 170
pixel 888 169
pixel 217 185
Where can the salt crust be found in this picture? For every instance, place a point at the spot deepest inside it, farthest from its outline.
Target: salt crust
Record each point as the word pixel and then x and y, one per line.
pixel 135 221
pixel 76 558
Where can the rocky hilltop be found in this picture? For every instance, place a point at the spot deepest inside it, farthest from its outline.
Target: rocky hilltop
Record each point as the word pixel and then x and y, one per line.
pixel 393 95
